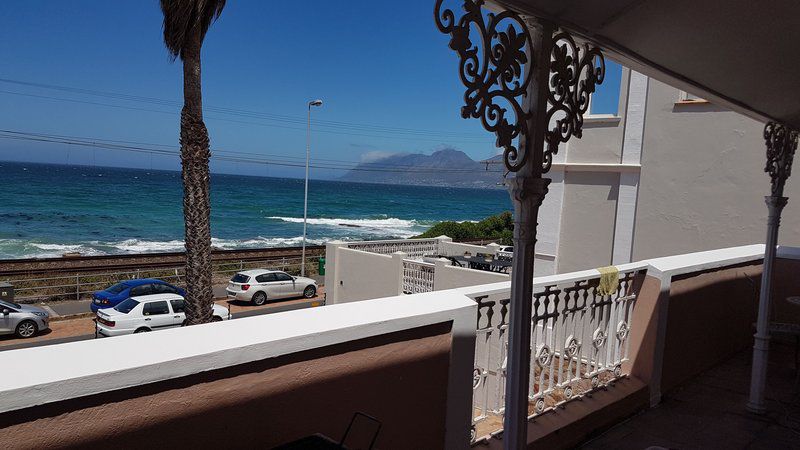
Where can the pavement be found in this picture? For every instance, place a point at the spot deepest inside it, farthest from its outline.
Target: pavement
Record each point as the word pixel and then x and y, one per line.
pixel 73 320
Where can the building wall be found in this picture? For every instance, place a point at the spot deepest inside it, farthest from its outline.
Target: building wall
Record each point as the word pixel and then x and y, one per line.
pixel 587 195
pixel 587 230
pixel 703 182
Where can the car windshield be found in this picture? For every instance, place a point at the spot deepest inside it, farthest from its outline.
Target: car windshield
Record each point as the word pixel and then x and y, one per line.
pixel 11 304
pixel 117 288
pixel 240 278
pixel 126 306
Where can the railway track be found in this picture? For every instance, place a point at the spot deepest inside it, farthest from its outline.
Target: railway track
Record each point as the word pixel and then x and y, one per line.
pixel 105 263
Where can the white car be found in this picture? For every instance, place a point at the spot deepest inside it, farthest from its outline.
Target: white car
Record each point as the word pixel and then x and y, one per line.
pixel 148 313
pixel 259 285
pixel 505 253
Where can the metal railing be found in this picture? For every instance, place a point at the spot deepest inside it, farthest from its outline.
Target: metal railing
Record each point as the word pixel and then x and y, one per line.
pixel 417 277
pixel 578 345
pixel 83 285
pixel 413 248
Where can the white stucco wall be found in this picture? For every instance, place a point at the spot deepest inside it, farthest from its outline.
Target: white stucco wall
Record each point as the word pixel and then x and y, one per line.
pixel 703 182
pixel 361 275
pixel 451 277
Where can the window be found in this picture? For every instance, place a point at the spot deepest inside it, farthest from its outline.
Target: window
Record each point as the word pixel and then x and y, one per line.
pixel 126 306
pixel 155 308
pixel 605 99
pixel 145 289
pixel 164 289
pixel 240 278
pixel 117 288
pixel 280 276
pixel 265 278
pixel 178 306
pixel 10 305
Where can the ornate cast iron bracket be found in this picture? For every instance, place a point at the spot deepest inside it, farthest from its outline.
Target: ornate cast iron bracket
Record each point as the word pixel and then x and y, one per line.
pixel 781 145
pixel 497 72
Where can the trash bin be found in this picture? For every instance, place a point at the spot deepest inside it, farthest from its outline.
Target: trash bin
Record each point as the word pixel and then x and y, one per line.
pixel 321 266
pixel 6 291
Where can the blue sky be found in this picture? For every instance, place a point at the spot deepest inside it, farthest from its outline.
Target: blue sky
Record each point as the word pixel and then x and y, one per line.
pixel 378 66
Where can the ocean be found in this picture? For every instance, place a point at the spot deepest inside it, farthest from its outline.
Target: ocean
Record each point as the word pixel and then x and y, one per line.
pixel 47 210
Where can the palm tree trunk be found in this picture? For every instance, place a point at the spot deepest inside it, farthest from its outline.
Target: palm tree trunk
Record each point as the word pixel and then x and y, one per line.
pixel 195 155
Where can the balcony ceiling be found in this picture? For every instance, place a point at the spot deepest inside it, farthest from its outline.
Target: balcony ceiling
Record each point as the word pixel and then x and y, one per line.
pixel 741 54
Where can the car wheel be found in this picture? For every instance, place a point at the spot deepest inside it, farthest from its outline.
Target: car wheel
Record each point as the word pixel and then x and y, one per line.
pixel 216 319
pixel 27 329
pixel 309 292
pixel 259 298
pixel 142 330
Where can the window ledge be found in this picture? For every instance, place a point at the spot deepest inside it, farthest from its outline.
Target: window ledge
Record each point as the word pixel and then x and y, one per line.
pixel 602 119
pixel 698 101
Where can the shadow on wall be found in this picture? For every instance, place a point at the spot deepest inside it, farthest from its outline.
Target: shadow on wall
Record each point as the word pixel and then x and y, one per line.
pixel 710 318
pixel 400 378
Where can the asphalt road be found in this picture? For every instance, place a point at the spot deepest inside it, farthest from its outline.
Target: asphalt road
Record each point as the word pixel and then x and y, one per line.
pixel 238 315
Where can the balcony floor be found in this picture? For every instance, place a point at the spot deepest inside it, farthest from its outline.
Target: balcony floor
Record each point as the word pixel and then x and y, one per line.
pixel 709 411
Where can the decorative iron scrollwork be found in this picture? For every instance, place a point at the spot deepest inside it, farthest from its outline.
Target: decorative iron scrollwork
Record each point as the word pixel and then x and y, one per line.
pixel 575 72
pixel 498 68
pixel 781 145
pixel 496 71
pixel 543 356
pixel 622 330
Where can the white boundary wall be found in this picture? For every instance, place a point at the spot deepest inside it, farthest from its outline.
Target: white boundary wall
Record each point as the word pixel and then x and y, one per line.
pixel 71 370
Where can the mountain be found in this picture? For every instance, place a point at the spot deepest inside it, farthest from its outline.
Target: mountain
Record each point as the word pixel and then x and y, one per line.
pixel 446 167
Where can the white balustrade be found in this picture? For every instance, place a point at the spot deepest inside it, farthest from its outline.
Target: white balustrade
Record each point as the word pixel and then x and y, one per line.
pixel 417 277
pixel 578 343
pixel 414 248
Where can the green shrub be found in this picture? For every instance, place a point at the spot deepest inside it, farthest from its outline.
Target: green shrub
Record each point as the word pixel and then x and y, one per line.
pixel 499 227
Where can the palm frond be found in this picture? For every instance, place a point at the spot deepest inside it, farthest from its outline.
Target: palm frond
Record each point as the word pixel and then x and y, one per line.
pixel 180 18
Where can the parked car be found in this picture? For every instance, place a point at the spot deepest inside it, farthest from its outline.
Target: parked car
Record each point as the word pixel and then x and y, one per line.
pixel 260 285
pixel 112 296
pixel 505 253
pixel 148 313
pixel 23 320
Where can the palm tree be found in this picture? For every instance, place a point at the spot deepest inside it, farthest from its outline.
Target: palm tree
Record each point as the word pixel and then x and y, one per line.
pixel 185 26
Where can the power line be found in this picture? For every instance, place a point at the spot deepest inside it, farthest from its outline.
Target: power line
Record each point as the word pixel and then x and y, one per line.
pixel 168 147
pixel 165 151
pixel 327 126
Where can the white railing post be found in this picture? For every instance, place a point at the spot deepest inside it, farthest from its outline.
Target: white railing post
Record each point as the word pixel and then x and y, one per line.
pixel 398 258
pixel 442 244
pixel 439 272
pixel 331 274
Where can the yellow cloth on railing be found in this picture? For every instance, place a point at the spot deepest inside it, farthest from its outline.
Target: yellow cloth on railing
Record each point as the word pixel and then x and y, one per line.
pixel 609 280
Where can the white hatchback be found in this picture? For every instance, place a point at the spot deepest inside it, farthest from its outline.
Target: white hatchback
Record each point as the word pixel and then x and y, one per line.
pixel 260 285
pixel 148 313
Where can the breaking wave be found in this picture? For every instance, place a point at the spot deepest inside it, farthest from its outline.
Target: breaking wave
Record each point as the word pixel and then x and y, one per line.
pixel 398 227
pixel 17 248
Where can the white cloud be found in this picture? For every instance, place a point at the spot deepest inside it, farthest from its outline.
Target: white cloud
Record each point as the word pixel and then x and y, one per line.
pixel 377 155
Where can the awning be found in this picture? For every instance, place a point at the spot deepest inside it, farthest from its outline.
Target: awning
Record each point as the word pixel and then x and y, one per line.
pixel 740 54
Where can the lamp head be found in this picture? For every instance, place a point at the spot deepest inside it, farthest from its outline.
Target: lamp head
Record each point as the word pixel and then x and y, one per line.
pixel 316 102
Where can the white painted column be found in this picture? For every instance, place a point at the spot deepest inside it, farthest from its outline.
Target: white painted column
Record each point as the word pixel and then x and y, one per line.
pixel 635 117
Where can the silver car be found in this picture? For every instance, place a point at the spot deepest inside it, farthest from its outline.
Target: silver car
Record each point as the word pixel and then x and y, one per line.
pixel 260 285
pixel 23 320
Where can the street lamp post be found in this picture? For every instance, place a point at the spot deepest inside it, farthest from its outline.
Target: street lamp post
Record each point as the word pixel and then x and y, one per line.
pixel 305 199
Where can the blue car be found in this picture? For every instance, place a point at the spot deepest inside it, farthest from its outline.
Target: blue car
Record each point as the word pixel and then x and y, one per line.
pixel 110 297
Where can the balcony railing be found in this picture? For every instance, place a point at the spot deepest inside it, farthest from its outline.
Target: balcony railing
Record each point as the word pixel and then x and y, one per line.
pixel 417 277
pixel 578 343
pixel 413 248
